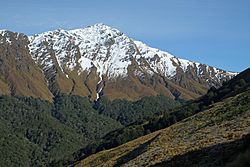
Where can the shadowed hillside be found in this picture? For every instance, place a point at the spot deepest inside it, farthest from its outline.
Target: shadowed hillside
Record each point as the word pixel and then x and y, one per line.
pixel 225 118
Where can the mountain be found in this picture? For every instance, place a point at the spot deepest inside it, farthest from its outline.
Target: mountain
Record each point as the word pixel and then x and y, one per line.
pixel 102 61
pixel 215 135
pixel 130 91
pixel 98 61
pixel 47 75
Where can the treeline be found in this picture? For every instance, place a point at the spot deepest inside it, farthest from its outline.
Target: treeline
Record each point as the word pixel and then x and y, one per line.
pixel 38 133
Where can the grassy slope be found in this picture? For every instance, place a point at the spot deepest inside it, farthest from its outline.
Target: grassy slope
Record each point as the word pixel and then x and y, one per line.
pixel 231 88
pixel 226 121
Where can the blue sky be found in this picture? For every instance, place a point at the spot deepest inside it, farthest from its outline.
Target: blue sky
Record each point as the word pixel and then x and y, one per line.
pixel 215 32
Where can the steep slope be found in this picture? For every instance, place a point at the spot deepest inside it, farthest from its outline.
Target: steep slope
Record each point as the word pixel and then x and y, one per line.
pixel 100 60
pixel 196 141
pixel 19 75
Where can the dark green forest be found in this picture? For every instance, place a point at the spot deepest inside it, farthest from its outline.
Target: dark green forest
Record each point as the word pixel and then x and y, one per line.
pixel 38 133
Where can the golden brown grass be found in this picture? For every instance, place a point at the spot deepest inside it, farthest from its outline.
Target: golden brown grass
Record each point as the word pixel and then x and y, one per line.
pixel 224 122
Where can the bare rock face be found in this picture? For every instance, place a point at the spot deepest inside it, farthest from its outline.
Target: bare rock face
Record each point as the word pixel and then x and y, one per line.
pixel 19 75
pixel 102 61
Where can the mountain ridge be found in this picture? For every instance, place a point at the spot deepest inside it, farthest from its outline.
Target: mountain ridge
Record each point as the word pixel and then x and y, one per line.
pixel 102 61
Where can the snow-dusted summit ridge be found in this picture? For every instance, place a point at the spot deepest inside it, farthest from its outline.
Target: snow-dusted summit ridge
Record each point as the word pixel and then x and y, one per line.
pixel 109 50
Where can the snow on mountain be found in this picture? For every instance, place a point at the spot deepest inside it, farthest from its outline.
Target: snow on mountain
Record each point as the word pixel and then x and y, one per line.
pixel 112 55
pixel 102 61
pixel 100 46
pixel 105 48
pixel 6 34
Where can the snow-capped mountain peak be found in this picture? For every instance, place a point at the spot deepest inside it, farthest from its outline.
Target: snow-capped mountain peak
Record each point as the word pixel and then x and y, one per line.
pixel 114 55
pixel 105 48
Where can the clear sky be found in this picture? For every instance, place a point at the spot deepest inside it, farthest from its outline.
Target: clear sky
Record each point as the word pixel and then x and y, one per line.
pixel 214 32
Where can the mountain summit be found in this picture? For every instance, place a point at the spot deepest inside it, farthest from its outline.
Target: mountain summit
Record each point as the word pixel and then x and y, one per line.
pixel 102 61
